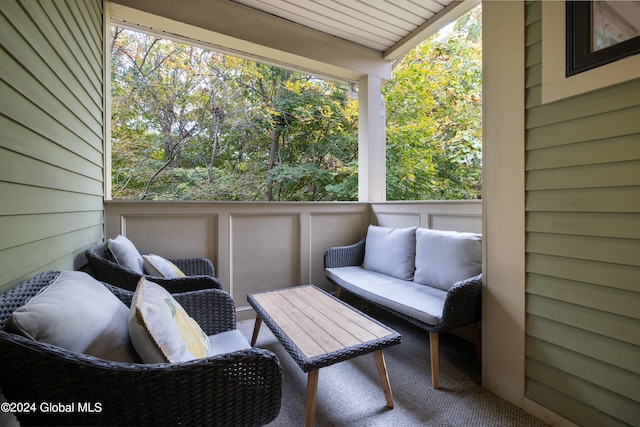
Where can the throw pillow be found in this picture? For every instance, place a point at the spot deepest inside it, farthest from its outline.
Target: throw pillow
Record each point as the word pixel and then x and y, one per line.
pixel 443 258
pixel 155 265
pixel 161 330
pixel 78 313
pixel 391 251
pixel 126 254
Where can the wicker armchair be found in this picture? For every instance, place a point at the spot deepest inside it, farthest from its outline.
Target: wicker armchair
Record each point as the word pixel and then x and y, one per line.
pixel 242 388
pixel 200 273
pixel 462 307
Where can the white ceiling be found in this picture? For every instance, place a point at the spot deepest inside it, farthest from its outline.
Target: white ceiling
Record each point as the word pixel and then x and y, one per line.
pixel 388 26
pixel 336 39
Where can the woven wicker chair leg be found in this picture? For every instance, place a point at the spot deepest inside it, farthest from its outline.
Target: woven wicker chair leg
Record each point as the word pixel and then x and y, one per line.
pixel 433 344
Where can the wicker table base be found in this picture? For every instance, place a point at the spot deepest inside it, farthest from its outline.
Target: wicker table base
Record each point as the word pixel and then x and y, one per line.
pixel 319 330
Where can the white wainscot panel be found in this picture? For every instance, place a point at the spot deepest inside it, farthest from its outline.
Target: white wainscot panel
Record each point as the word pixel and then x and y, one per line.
pixel 265 254
pixel 457 222
pixel 173 235
pixel 398 219
pixel 329 230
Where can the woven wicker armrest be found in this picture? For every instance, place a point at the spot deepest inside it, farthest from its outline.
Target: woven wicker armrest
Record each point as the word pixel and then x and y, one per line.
pixel 195 266
pixel 463 304
pixel 345 256
pixel 213 309
pixel 185 284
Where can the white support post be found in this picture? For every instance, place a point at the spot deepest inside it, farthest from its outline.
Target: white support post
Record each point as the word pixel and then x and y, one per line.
pixel 503 199
pixel 371 141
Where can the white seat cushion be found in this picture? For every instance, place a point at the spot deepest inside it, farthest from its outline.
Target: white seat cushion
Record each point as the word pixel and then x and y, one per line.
pixel 228 342
pixel 420 302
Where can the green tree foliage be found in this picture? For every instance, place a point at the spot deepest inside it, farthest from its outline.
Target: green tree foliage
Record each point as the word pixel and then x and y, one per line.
pixel 191 124
pixel 434 124
pixel 188 123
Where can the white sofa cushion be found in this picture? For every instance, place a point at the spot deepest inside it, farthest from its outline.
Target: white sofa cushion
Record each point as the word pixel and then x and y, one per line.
pixel 444 258
pixel 126 254
pixel 78 313
pixel 420 302
pixel 391 251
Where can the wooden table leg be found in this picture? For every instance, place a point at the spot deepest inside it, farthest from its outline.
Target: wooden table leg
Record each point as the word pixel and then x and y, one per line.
pixel 384 377
pixel 312 393
pixel 256 330
pixel 435 359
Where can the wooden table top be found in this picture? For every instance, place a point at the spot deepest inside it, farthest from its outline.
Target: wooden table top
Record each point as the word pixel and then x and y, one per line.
pixel 318 323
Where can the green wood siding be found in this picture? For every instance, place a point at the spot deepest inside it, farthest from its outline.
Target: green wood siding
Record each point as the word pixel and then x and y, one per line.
pixel 51 144
pixel 583 247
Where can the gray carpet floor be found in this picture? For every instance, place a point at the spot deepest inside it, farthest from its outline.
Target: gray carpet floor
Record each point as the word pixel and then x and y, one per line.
pixel 349 393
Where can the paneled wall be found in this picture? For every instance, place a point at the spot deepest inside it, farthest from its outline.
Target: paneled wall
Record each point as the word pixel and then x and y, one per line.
pixel 583 247
pixel 262 246
pixel 439 215
pixel 51 144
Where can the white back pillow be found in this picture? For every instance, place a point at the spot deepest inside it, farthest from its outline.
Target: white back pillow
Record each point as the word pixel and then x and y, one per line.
pixel 443 258
pixel 78 313
pixel 126 254
pixel 391 251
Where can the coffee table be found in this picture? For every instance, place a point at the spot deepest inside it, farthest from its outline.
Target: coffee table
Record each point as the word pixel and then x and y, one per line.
pixel 318 330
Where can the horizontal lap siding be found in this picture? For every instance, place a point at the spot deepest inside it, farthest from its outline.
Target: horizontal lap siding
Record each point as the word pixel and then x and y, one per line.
pixel 51 144
pixel 583 248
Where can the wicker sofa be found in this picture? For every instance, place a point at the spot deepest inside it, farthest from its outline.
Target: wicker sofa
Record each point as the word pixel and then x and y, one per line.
pixel 241 388
pixel 428 277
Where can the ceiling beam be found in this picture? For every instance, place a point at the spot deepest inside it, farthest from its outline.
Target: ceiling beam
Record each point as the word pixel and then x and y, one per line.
pixel 236 29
